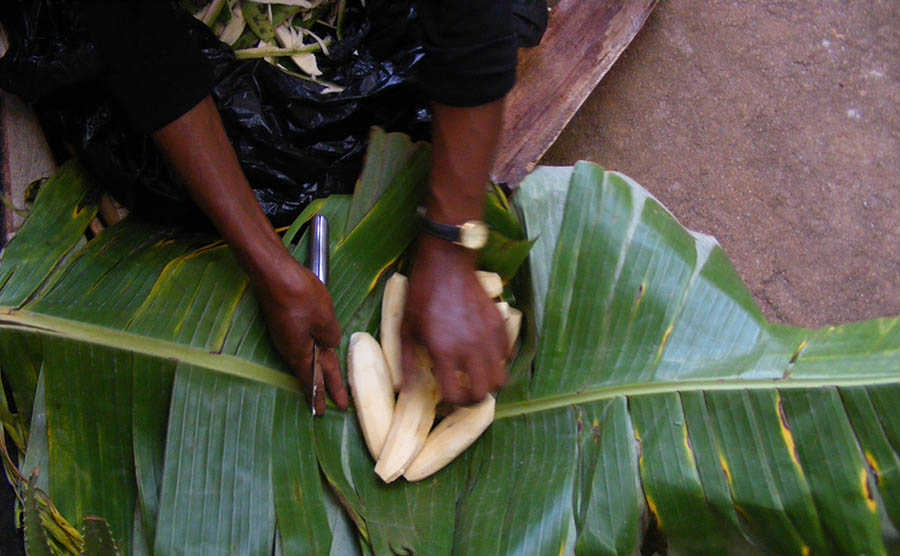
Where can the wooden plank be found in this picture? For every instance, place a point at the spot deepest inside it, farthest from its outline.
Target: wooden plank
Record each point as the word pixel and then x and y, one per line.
pixel 582 42
pixel 26 155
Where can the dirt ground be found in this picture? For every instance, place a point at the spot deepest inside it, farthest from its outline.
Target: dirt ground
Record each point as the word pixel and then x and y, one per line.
pixel 775 127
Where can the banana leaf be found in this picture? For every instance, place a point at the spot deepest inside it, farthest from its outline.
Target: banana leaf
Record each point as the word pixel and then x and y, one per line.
pixel 649 401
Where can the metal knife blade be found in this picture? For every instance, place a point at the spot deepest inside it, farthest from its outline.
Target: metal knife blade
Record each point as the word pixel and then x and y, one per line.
pixel 318 264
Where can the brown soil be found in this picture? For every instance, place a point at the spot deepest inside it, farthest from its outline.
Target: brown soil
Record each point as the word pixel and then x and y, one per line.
pixel 775 127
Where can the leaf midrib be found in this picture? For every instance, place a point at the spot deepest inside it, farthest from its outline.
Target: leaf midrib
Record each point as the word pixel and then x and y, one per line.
pixel 79 331
pixel 145 345
pixel 535 405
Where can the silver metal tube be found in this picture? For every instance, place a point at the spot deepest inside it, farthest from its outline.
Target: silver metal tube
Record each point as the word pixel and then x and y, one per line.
pixel 318 264
pixel 318 247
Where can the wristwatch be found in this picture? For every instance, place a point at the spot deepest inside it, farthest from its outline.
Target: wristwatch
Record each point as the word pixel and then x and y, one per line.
pixel 472 234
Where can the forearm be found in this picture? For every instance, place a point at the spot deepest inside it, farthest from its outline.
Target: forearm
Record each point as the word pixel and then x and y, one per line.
pixel 464 142
pixel 197 147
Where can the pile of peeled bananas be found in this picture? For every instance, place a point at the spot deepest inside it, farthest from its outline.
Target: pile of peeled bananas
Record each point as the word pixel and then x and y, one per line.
pixel 399 432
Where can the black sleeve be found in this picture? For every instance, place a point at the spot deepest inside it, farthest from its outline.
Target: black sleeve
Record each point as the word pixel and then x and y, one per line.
pixel 154 66
pixel 470 50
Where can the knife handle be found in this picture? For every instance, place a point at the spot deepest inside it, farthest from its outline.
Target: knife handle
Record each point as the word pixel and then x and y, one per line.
pixel 318 247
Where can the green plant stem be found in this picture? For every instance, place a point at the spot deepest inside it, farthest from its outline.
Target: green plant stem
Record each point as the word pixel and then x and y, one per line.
pixel 212 13
pixel 266 51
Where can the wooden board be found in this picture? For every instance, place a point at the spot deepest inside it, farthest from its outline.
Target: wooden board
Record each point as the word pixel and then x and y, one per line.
pixel 582 42
pixel 24 154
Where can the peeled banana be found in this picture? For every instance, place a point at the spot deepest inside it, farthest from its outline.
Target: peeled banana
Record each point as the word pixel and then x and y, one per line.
pixel 373 392
pixel 490 282
pixel 463 425
pixel 512 320
pixel 451 437
pixel 392 303
pixel 413 417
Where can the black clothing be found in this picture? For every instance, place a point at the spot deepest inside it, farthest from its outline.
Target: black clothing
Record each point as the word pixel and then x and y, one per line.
pixel 154 68
pixel 156 72
pixel 470 48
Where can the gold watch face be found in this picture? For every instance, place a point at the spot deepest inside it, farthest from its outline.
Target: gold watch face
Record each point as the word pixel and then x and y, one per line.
pixel 473 234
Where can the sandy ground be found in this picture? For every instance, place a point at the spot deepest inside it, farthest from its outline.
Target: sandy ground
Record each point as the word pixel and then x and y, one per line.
pixel 775 127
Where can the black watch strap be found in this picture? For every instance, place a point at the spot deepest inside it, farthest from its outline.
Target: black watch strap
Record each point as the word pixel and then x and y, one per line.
pixel 446 232
pixel 472 234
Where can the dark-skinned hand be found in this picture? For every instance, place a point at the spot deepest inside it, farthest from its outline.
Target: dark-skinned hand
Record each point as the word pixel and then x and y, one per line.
pixel 448 313
pixel 298 314
pixel 295 303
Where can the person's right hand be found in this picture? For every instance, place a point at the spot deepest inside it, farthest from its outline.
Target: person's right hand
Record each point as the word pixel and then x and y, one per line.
pixel 298 314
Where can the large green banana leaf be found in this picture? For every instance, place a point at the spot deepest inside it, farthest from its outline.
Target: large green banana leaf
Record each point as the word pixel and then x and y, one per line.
pixel 648 393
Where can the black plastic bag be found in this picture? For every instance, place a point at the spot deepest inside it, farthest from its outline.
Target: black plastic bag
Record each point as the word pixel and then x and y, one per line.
pixel 293 142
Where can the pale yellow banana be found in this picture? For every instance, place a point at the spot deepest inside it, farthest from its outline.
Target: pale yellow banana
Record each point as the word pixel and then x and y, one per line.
pixel 373 392
pixel 465 424
pixel 392 303
pixel 413 417
pixel 450 438
pixel 490 282
pixel 512 320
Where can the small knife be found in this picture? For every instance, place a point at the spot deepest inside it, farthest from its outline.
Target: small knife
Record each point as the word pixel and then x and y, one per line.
pixel 318 264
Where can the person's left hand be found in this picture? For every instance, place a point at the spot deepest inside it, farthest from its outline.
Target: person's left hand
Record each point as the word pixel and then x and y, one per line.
pixel 449 313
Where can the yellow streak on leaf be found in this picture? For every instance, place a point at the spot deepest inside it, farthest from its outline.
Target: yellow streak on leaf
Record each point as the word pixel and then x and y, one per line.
pixel 651 505
pixel 805 550
pixel 786 433
pixel 79 210
pixel 202 251
pixel 798 350
pixel 867 493
pixel 219 339
pixel 298 492
pixel 374 281
pixel 687 445
pixel 873 463
pixel 662 345
pixel 724 463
